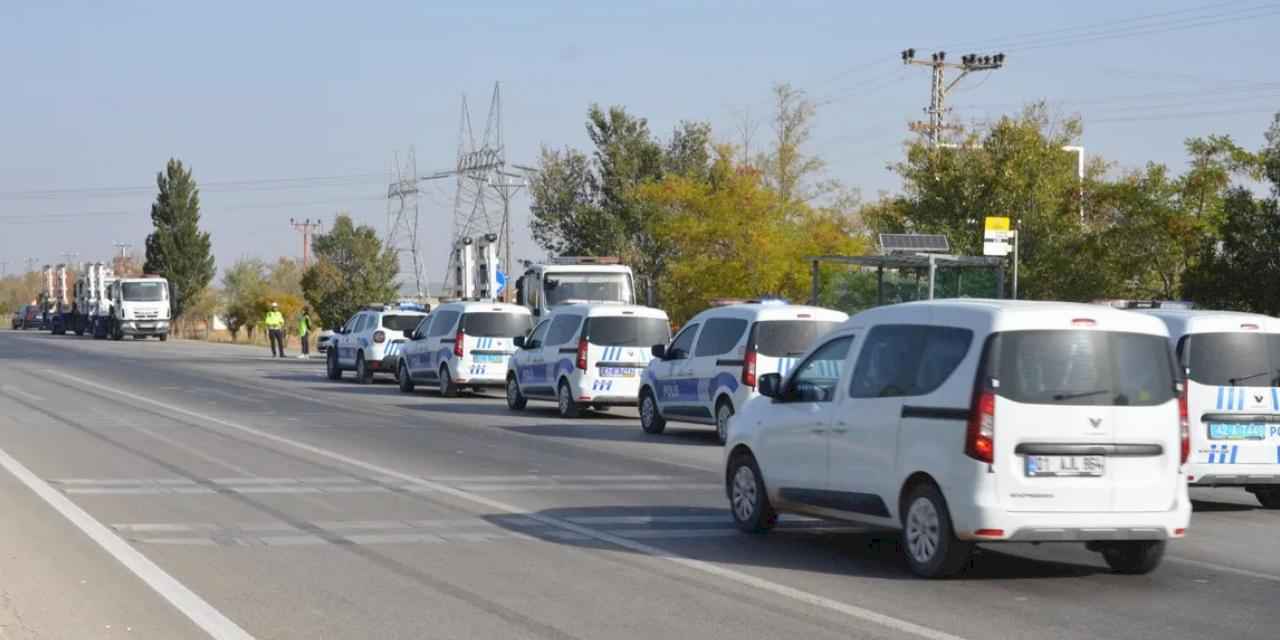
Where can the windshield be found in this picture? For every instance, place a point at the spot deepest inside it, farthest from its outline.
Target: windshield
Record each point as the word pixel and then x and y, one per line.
pixel 400 322
pixel 788 338
pixel 143 291
pixel 595 287
pixel 1096 368
pixel 1237 359
pixel 626 331
pixel 496 325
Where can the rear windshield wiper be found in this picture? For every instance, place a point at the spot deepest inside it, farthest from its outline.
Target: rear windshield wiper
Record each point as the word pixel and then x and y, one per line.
pixel 1080 394
pixel 1236 381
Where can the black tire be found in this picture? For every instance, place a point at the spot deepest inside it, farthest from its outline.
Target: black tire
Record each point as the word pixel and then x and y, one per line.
pixel 164 337
pixel 565 403
pixel 928 539
pixel 748 498
pixel 1134 557
pixel 403 377
pixel 364 375
pixel 650 419
pixel 116 332
pixel 448 388
pixel 331 368
pixel 1268 497
pixel 515 400
pixel 724 411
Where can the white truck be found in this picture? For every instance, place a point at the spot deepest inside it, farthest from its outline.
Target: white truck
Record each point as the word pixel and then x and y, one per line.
pixel 108 306
pixel 574 279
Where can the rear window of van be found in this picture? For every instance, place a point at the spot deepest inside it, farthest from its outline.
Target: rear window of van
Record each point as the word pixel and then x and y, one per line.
pixel 1077 367
pixel 491 324
pixel 788 338
pixel 400 323
pixel 627 331
pixel 1237 358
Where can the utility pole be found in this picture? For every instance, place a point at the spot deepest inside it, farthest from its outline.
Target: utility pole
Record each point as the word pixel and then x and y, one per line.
pixel 4 268
pixel 937 109
pixel 31 264
pixel 123 247
pixel 69 255
pixel 305 227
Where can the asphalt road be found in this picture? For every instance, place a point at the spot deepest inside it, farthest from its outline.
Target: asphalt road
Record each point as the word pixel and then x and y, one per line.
pixel 184 490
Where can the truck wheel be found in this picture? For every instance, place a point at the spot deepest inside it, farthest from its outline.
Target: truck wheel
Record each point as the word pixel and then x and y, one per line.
pixel 363 374
pixel 1134 557
pixel 931 546
pixel 650 419
pixel 164 337
pixel 117 334
pixel 515 400
pixel 448 388
pixel 564 402
pixel 331 368
pixel 403 377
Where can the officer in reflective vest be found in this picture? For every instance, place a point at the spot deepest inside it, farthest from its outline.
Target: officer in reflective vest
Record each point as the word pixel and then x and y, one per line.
pixel 275 330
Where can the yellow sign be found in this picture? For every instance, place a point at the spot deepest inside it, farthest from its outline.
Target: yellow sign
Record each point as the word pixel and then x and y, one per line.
pixel 997 223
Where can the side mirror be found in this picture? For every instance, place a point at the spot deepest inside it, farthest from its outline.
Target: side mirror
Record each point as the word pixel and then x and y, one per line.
pixel 410 334
pixel 659 351
pixel 769 385
pixel 518 341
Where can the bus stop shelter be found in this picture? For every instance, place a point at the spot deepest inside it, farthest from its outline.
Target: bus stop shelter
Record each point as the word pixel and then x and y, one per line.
pixel 932 262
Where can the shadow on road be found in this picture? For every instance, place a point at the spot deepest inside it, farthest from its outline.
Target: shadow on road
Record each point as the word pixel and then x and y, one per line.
pixel 587 431
pixel 819 547
pixel 1211 506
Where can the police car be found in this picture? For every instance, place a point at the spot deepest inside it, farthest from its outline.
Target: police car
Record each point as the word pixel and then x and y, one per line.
pixel 462 344
pixel 369 342
pixel 585 354
pixel 1231 398
pixel 709 370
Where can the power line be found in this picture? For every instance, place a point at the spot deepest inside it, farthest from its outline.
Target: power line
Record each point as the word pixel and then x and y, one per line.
pixel 216 186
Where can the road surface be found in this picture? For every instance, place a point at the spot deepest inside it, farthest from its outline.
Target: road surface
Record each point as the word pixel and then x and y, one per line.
pixel 187 490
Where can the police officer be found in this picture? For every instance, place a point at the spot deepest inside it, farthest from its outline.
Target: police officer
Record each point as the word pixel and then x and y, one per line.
pixel 275 329
pixel 304 330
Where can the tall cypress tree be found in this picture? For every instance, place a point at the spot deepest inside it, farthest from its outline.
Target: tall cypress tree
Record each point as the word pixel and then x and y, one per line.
pixel 178 249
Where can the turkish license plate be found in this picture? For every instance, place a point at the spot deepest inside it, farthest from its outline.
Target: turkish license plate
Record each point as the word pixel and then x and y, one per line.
pixel 1064 466
pixel 617 372
pixel 489 357
pixel 146 325
pixel 1237 431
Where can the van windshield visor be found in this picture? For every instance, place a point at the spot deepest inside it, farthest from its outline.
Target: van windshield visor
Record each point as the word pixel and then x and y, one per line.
pixel 143 291
pixel 1233 359
pixel 496 325
pixel 1094 368
pixel 590 287
pixel 400 323
pixel 623 331
pixel 789 338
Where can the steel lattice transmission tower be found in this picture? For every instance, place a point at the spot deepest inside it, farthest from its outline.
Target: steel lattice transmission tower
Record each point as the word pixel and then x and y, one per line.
pixel 402 218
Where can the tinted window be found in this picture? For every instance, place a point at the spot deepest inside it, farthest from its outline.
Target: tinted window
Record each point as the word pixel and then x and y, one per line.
pixel 719 336
pixel 1081 367
pixel 596 287
pixel 907 360
pixel 789 338
pixel 627 331
pixel 539 332
pixel 443 323
pixel 563 329
pixel 143 291
pixel 400 323
pixel 491 324
pixel 423 326
pixel 1233 359
pixel 816 378
pixel 684 340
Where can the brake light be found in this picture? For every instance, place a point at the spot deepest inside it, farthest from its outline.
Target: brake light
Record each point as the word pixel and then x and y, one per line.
pixel 979 440
pixel 749 369
pixel 459 341
pixel 582 354
pixel 1249 326
pixel 1184 424
pixel 379 337
pixel 1084 322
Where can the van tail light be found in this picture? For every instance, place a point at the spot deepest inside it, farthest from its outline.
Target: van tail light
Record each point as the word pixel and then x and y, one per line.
pixel 1184 424
pixel 582 354
pixel 379 337
pixel 749 368
pixel 980 437
pixel 459 341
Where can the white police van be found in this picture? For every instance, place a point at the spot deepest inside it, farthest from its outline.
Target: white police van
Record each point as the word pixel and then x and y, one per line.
pixel 462 344
pixel 585 354
pixel 710 368
pixel 966 421
pixel 369 342
pixel 1231 399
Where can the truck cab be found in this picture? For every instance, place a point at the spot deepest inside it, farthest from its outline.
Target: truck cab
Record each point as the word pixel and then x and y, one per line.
pixel 574 279
pixel 140 307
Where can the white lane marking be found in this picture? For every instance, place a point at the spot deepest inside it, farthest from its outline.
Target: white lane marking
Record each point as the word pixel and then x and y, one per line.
pixel 1213 566
pixel 191 605
pixel 746 579
pixel 19 392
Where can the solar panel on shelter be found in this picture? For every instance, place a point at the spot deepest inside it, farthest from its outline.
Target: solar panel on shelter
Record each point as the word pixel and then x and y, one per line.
pixel 891 243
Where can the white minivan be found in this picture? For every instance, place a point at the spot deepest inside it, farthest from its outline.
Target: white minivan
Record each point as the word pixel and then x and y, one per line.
pixel 966 421
pixel 585 354
pixel 462 344
pixel 710 367
pixel 1232 366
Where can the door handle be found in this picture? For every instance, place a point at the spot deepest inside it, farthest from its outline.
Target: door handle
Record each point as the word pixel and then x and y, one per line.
pixel 818 430
pixel 839 430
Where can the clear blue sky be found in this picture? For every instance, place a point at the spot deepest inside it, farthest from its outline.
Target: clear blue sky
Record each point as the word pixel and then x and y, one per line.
pixel 101 94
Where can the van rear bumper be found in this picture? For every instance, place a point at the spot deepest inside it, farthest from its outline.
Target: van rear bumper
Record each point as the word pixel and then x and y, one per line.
pixel 1233 475
pixel 994 525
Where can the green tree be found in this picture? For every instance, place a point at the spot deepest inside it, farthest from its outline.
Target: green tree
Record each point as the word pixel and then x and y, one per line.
pixel 352 269
pixel 242 285
pixel 788 170
pixel 178 249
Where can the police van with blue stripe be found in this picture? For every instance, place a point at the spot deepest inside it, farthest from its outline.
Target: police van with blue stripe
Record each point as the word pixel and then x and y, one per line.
pixel 710 369
pixel 370 341
pixel 1231 398
pixel 462 345
pixel 585 355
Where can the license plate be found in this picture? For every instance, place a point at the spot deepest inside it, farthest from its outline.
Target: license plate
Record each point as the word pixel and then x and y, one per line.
pixel 1060 466
pixel 617 372
pixel 1237 431
pixel 489 357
